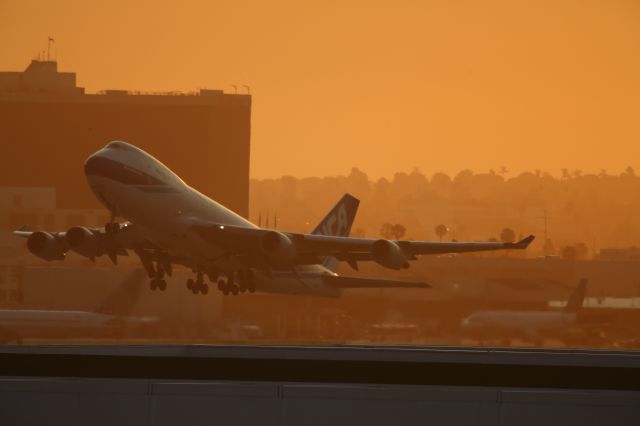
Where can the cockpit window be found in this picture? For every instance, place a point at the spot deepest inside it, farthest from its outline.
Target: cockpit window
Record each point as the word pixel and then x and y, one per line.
pixel 117 145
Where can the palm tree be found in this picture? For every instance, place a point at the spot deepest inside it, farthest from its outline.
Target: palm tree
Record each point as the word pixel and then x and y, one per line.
pixel 441 231
pixel 398 231
pixel 507 235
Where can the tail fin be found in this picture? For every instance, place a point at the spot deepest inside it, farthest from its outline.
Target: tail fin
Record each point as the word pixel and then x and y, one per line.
pixel 123 299
pixel 339 220
pixel 577 297
pixel 338 223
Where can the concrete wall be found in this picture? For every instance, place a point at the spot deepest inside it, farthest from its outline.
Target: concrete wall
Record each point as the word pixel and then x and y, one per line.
pixel 37 401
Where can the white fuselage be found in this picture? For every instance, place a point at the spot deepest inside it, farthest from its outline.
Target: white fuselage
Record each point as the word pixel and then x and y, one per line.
pixel 529 322
pixel 30 323
pixel 139 188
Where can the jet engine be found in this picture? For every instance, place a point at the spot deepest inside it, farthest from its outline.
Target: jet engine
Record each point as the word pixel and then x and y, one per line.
pixel 389 254
pixel 46 246
pixel 83 241
pixel 278 247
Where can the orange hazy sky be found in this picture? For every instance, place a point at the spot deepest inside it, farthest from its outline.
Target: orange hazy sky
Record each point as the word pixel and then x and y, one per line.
pixel 385 86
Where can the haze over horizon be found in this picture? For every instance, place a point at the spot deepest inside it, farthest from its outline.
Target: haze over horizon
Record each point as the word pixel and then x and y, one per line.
pixel 438 86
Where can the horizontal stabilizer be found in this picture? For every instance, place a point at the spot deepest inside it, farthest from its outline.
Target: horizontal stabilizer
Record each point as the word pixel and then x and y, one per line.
pixel 353 282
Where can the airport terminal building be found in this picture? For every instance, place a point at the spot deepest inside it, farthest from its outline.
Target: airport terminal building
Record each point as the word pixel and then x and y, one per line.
pixel 50 126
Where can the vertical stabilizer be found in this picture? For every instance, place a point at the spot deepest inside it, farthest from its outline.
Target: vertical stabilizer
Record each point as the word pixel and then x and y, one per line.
pixel 338 223
pixel 577 297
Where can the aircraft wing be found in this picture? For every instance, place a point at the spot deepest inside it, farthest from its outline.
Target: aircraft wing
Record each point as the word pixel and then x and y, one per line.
pixel 434 247
pixel 353 282
pixel 256 243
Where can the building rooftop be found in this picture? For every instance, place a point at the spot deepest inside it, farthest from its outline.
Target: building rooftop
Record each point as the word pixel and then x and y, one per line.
pixel 42 81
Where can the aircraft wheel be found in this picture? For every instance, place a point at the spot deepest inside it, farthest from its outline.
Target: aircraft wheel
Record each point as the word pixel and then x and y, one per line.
pixel 192 285
pixel 204 288
pixel 221 285
pixel 234 290
pixel 162 285
pixel 153 284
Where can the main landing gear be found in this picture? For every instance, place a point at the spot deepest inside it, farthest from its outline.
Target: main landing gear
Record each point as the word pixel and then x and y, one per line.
pixel 158 282
pixel 156 274
pixel 245 282
pixel 238 282
pixel 198 285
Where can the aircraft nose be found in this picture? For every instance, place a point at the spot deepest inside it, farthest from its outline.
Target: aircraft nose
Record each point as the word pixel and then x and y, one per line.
pixel 96 165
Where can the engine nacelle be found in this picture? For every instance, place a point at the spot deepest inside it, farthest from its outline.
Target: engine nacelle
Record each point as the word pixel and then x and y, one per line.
pixel 46 246
pixel 389 254
pixel 279 248
pixel 83 241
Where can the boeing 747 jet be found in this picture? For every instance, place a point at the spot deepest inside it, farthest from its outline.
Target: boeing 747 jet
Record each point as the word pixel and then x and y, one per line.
pixel 534 325
pixel 169 223
pixel 111 318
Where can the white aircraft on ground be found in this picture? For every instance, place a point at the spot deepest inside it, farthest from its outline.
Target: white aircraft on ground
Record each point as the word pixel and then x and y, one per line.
pixel 110 319
pixel 530 324
pixel 168 223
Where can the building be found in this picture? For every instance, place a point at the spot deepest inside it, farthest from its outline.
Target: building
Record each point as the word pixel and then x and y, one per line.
pixel 625 254
pixel 49 126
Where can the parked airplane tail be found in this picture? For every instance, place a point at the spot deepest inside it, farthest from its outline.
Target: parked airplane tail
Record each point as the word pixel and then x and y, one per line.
pixel 577 297
pixel 123 299
pixel 338 223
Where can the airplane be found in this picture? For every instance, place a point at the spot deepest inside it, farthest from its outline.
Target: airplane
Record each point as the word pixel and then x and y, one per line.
pixel 109 319
pixel 531 324
pixel 170 223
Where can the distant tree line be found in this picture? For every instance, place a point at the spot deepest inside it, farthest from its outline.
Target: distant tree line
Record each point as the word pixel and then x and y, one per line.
pixel 564 212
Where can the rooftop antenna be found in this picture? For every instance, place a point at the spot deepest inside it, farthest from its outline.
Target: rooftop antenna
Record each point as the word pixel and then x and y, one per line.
pixel 248 89
pixel 49 41
pixel 275 220
pixel 266 225
pixel 235 89
pixel 260 219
